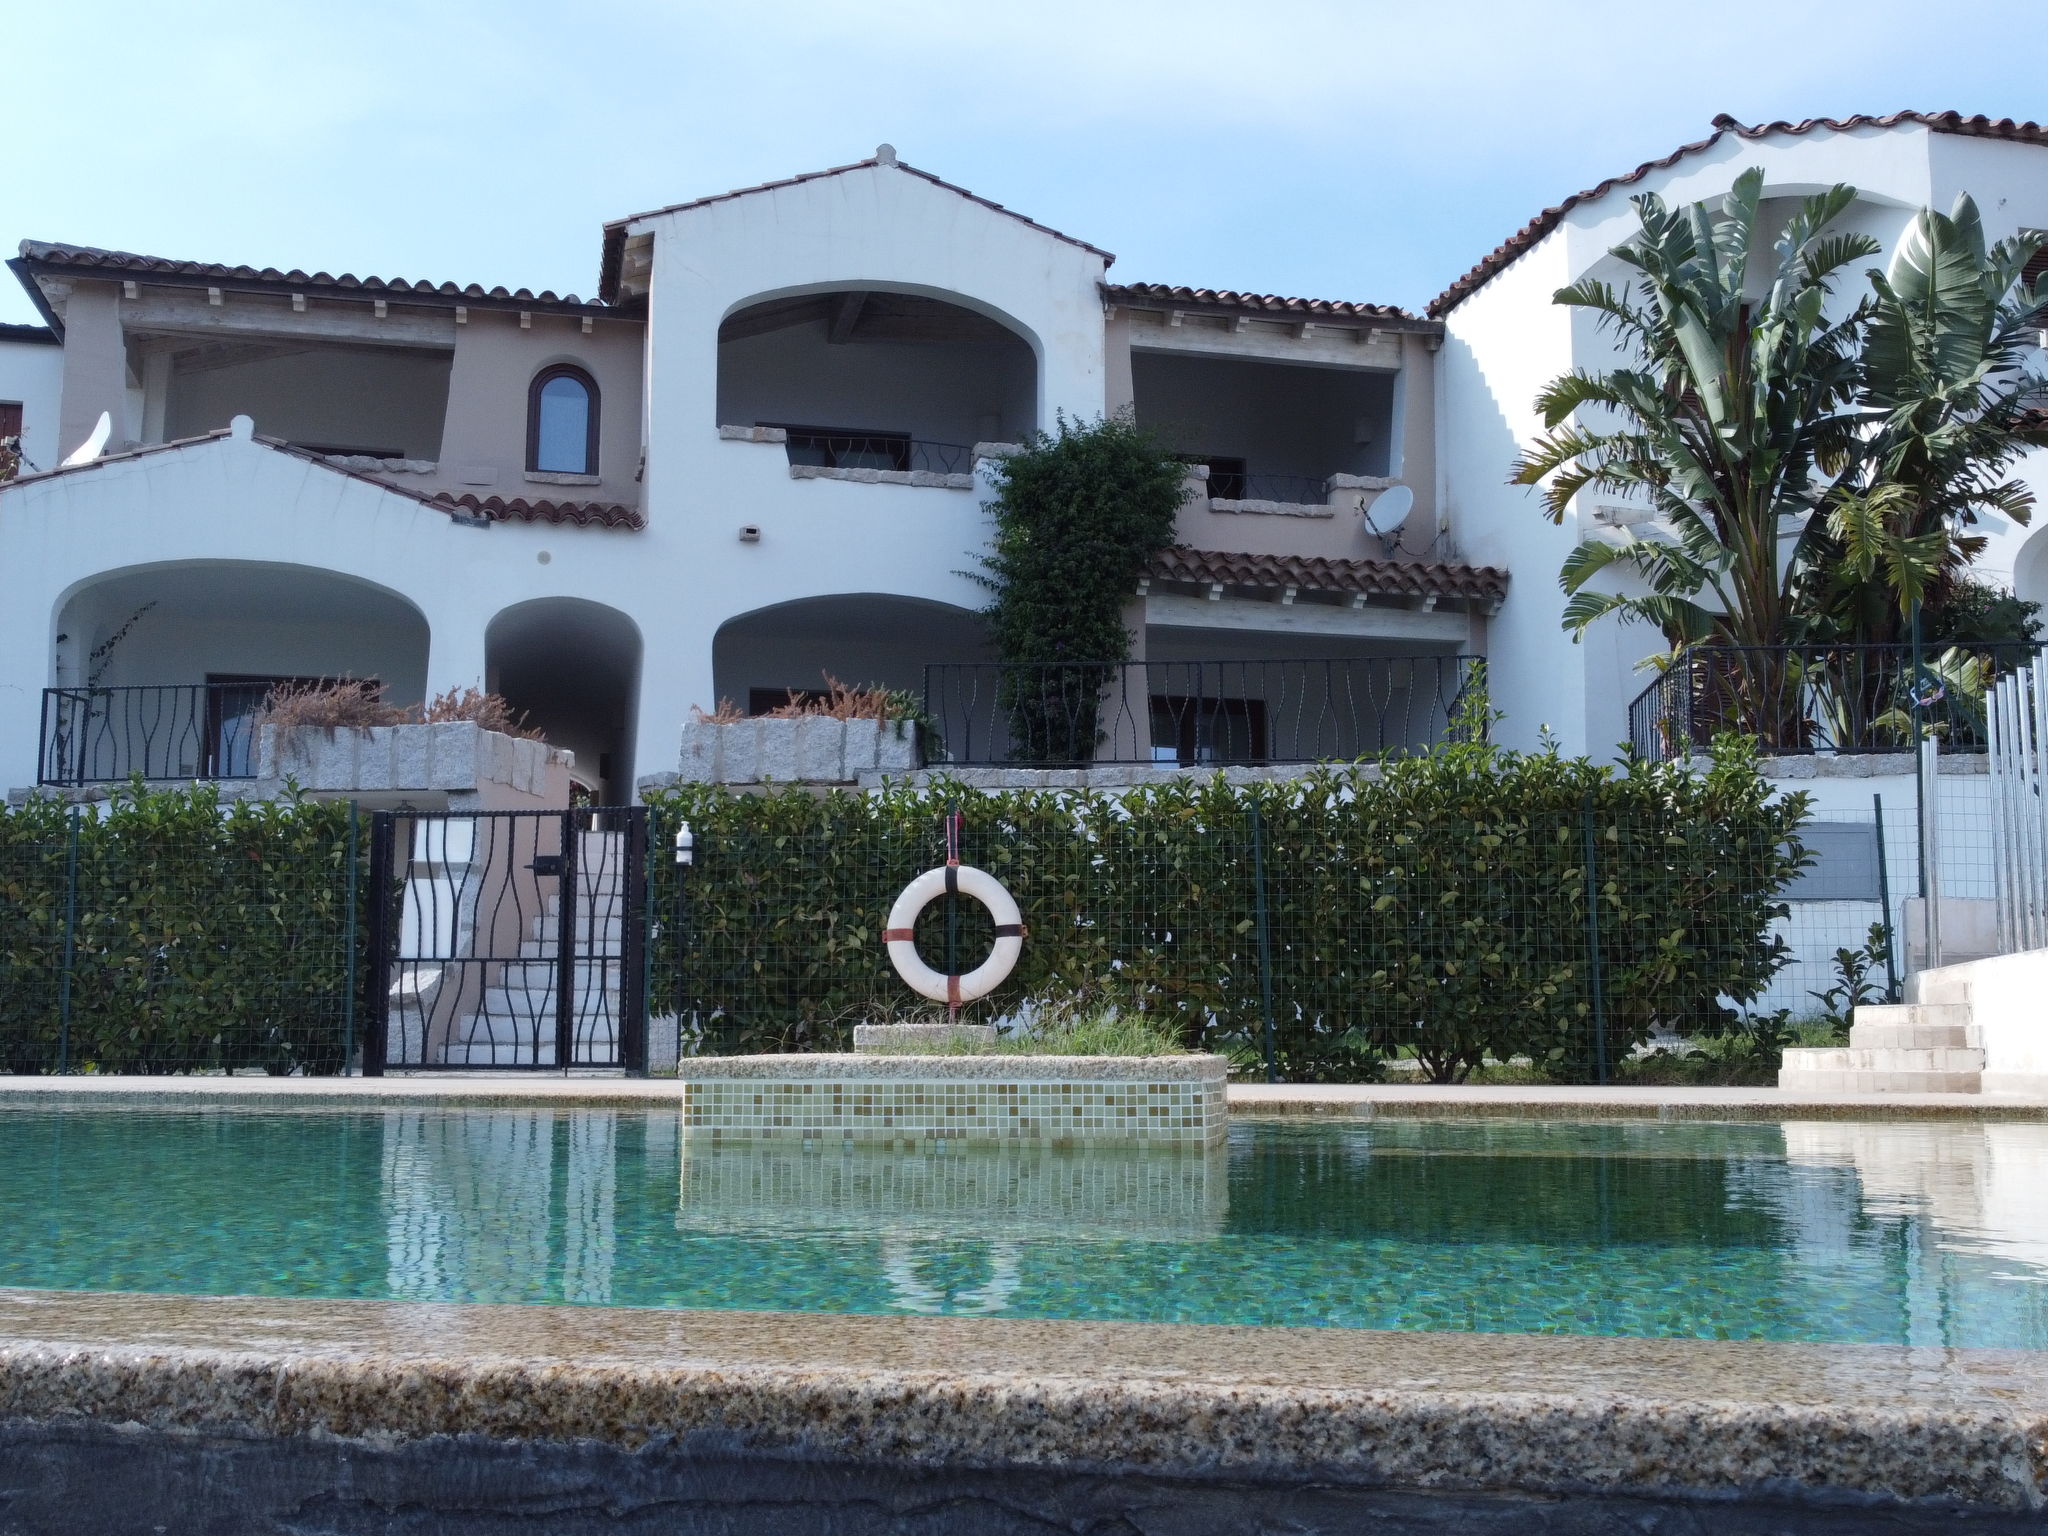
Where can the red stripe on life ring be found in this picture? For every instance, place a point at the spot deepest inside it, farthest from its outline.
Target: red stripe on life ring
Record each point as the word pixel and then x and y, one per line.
pixel 952 991
pixel 893 935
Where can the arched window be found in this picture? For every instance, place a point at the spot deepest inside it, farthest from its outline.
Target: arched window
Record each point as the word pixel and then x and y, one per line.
pixel 561 421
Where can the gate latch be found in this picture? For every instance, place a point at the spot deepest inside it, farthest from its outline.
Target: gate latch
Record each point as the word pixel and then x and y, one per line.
pixel 547 864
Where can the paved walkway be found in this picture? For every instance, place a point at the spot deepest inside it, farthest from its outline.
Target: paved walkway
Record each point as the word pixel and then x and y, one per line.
pixel 1262 1100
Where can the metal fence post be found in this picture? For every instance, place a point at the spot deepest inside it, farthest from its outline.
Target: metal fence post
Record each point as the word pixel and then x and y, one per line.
pixel 632 1042
pixel 1593 945
pixel 1884 898
pixel 70 942
pixel 376 1039
pixel 1265 936
pixel 348 949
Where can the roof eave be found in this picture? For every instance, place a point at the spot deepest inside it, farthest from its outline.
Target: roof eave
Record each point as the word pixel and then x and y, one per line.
pixel 25 275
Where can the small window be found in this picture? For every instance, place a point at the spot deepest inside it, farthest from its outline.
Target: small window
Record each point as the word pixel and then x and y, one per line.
pixel 10 418
pixel 561 422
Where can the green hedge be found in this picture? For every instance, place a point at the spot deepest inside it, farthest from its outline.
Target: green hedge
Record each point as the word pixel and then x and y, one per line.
pixel 204 936
pixel 1438 907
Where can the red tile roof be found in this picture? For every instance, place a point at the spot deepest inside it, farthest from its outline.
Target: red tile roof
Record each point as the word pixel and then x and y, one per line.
pixel 497 509
pixel 1261 303
pixel 1512 247
pixel 1376 578
pixel 33 334
pixel 45 256
pixel 615 231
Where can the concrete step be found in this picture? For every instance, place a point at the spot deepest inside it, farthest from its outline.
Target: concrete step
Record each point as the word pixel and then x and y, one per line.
pixel 526 975
pixel 1911 1026
pixel 607 948
pixel 1912 1013
pixel 1853 1070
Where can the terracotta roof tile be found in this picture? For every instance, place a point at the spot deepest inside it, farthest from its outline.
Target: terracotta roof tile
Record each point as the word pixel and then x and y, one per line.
pixel 1389 578
pixel 1264 303
pixel 1939 122
pixel 497 509
pixel 615 231
pixel 42 255
pixel 580 514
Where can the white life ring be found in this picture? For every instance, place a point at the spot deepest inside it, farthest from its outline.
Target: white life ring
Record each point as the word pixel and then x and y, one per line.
pixel 984 978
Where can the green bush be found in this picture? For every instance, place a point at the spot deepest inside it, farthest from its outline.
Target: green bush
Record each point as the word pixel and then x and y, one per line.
pixel 205 936
pixel 1438 903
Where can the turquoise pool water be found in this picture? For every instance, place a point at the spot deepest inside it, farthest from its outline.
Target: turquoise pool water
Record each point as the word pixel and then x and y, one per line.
pixel 1877 1232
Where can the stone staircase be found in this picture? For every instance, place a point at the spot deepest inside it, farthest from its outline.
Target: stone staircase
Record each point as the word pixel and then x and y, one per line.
pixel 1925 1046
pixel 514 1022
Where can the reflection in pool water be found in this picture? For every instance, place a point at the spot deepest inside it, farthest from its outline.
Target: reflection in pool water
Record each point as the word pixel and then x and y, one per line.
pixel 1882 1232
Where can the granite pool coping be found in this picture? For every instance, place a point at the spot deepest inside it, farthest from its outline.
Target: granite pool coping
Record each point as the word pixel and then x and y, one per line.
pixel 515 1090
pixel 1526 1414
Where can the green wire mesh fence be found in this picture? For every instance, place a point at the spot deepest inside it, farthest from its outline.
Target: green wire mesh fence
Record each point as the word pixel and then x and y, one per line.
pixel 1313 929
pixel 165 932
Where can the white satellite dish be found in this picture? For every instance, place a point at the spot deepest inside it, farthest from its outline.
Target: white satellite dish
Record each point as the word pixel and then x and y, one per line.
pixel 95 442
pixel 1389 511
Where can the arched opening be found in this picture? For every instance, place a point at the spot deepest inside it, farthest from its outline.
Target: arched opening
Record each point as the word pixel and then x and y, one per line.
pixel 866 379
pixel 759 658
pixel 2030 569
pixel 561 421
pixel 572 667
pixel 170 664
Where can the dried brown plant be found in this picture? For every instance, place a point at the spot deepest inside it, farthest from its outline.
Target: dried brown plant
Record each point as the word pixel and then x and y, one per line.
pixel 353 702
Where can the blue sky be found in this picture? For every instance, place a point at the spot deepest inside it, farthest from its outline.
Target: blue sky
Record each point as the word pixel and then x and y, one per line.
pixel 1356 151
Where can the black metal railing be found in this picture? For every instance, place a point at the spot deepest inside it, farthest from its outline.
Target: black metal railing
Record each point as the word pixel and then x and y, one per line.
pixel 878 450
pixel 1195 713
pixel 1301 490
pixel 1821 698
pixel 177 731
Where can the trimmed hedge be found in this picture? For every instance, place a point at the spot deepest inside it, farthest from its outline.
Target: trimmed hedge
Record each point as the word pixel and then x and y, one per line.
pixel 1440 906
pixel 205 936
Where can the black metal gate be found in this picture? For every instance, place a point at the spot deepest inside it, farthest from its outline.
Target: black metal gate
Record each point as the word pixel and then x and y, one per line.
pixel 508 939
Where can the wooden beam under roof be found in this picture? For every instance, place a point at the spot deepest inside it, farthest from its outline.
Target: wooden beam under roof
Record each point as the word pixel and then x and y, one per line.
pixel 845 316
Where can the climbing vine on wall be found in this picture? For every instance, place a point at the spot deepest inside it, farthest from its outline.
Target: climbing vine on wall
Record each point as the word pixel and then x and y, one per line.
pixel 1079 513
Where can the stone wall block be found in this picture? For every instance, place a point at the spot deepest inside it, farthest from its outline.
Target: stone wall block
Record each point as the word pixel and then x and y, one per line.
pixel 860 746
pixel 452 755
pixel 776 742
pixel 738 752
pixel 332 758
pixel 375 757
pixel 409 757
pixel 699 763
pixel 821 750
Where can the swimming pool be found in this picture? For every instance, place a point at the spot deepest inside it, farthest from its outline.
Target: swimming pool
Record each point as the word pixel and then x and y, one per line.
pixel 1836 1231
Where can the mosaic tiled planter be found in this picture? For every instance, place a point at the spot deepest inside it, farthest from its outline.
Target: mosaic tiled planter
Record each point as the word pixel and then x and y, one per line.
pixel 1165 1101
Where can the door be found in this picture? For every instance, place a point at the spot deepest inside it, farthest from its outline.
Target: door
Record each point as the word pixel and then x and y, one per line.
pixel 509 939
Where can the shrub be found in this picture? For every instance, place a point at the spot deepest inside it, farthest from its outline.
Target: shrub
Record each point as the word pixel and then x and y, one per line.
pixel 1441 905
pixel 206 936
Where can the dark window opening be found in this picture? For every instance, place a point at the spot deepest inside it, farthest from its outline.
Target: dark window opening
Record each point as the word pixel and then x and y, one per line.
pixel 561 422
pixel 10 418
pixel 1189 731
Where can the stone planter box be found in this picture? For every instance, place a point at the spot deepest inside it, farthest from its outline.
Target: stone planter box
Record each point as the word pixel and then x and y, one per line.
pixel 812 749
pixel 458 757
pixel 1062 1101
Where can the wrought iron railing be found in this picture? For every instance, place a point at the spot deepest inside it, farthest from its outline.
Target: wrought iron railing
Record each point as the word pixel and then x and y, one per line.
pixel 1821 698
pixel 178 731
pixel 886 450
pixel 1303 490
pixel 1195 713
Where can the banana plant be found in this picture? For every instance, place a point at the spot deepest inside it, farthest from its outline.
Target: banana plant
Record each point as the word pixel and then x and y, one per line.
pixel 1944 393
pixel 1736 396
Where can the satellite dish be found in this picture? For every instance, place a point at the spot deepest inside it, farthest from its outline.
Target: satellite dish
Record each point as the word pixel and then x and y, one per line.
pixel 1389 511
pixel 94 444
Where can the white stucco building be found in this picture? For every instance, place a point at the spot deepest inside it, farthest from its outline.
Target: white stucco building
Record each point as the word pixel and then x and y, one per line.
pixel 760 456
